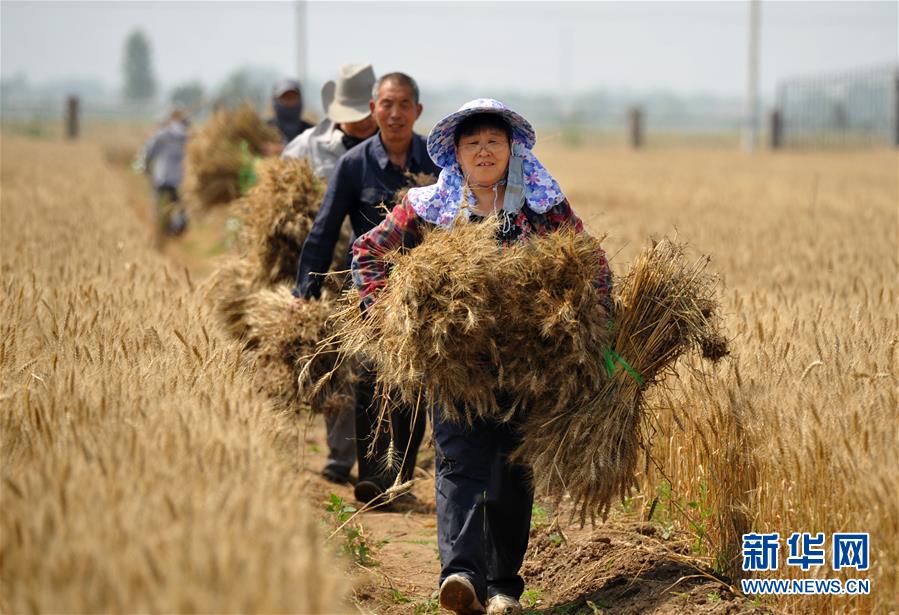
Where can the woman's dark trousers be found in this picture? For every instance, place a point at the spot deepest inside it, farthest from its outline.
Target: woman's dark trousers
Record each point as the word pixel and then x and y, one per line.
pixel 483 505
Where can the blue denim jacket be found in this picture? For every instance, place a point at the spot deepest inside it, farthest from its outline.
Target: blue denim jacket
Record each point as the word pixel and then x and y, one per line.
pixel 363 180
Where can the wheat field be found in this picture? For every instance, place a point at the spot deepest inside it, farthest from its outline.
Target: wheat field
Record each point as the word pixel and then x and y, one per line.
pixel 141 473
pixel 798 431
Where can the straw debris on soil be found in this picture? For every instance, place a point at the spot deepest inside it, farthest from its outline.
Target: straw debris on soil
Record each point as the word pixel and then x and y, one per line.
pixel 484 331
pixel 217 151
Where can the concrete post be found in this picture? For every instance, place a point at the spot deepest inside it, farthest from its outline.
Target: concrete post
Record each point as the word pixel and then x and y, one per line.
pixel 72 104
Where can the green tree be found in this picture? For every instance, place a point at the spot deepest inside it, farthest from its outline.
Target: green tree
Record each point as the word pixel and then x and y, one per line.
pixel 140 83
pixel 188 94
pixel 247 85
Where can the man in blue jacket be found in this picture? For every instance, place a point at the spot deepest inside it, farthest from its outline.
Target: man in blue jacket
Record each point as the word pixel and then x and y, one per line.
pixel 347 123
pixel 366 177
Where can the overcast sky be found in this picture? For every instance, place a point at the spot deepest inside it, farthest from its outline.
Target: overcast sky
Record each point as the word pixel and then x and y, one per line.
pixel 686 47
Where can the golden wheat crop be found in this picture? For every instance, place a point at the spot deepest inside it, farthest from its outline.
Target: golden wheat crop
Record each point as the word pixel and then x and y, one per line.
pixel 797 431
pixel 140 473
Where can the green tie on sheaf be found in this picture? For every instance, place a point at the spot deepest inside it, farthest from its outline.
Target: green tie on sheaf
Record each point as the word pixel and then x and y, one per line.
pixel 613 357
pixel 246 177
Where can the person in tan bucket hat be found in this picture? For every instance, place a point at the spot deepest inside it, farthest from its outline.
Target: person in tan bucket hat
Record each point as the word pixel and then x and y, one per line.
pixel 348 120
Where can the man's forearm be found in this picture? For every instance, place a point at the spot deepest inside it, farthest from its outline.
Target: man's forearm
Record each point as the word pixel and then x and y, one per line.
pixel 314 263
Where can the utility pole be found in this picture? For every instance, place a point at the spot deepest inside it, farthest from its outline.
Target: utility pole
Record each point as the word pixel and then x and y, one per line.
pixel 751 126
pixel 895 139
pixel 567 106
pixel 300 20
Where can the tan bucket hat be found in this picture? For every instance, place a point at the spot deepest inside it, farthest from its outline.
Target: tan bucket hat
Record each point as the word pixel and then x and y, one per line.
pixel 347 99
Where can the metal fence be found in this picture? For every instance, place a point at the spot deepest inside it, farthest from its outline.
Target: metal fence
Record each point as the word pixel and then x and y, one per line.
pixel 845 109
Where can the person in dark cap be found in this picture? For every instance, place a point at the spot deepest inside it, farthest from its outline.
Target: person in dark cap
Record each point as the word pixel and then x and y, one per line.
pixel 287 103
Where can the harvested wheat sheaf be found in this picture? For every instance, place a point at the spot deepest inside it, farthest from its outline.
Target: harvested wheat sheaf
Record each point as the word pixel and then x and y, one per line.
pixel 277 215
pixel 283 333
pixel 431 330
pixel 279 333
pixel 588 448
pixel 215 156
pixel 465 323
pixel 228 290
pixel 251 297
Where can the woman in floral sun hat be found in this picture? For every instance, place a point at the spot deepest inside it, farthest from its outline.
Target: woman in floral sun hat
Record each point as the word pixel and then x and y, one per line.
pixel 483 502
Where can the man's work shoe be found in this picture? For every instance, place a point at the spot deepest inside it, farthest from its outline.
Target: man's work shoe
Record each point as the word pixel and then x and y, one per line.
pixel 503 605
pixel 367 491
pixel 335 476
pixel 457 595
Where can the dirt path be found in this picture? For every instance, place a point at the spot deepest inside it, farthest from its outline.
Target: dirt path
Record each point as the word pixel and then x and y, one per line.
pixel 622 566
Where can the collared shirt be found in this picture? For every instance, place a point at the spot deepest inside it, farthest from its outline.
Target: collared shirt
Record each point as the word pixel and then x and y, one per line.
pixel 363 187
pixel 322 145
pixel 404 229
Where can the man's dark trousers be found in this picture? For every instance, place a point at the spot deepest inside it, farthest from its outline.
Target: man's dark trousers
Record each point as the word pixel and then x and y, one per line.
pixel 483 505
pixel 408 432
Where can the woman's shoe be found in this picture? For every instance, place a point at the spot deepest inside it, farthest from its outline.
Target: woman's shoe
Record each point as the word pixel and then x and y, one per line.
pixel 503 605
pixel 457 595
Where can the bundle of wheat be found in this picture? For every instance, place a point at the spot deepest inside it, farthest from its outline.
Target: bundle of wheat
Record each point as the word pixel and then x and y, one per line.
pixel 465 322
pixel 228 289
pixel 282 336
pixel 220 150
pixel 431 332
pixel 553 322
pixel 277 215
pixel 588 449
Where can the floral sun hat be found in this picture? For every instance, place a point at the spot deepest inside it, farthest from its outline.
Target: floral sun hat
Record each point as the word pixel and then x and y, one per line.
pixel 528 181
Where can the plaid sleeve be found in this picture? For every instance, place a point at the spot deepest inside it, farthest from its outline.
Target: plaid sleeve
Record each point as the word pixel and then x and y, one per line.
pixel 400 229
pixel 562 215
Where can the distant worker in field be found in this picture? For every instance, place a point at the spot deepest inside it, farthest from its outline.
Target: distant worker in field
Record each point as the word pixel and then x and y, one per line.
pixel 287 104
pixel 348 122
pixel 490 175
pixel 162 158
pixel 364 178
